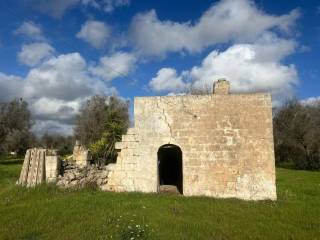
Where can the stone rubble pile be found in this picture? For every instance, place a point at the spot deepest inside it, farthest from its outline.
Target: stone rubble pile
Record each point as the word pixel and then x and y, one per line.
pixel 77 176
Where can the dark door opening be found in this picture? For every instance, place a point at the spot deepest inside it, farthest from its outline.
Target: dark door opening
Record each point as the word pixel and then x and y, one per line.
pixel 170 166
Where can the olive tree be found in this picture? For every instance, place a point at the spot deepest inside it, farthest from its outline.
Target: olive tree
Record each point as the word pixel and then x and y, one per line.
pixel 15 125
pixel 100 124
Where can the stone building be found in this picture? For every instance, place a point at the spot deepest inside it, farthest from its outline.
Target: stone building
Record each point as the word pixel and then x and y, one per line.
pixel 218 145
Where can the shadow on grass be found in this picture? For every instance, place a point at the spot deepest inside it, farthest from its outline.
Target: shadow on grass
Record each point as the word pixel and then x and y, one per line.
pixel 11 161
pixel 31 236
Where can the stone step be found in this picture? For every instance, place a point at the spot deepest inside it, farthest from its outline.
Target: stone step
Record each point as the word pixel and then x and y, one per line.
pixel 126 145
pixel 129 138
pixel 131 131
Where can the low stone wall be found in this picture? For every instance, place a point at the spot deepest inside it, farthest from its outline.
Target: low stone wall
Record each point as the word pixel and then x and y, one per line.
pixel 80 176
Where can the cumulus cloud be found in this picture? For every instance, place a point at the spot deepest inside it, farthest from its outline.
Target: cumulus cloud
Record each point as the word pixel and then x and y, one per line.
pixel 167 80
pixel 311 101
pixel 10 87
pixel 32 54
pixel 46 108
pixel 57 8
pixel 55 90
pixel 31 30
pixel 110 5
pixel 44 126
pixel 117 65
pixel 63 77
pixel 249 68
pixel 54 8
pixel 225 21
pixel 95 33
pixel 107 5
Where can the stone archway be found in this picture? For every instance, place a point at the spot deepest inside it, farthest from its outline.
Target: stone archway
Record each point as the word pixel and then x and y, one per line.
pixel 170 168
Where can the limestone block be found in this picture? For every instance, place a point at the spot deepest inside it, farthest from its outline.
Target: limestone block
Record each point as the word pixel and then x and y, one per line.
pixel 33 169
pixel 52 164
pixel 81 155
pixel 129 138
pixel 131 131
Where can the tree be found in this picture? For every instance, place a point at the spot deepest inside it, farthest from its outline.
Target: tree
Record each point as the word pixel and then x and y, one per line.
pixel 100 124
pixel 90 121
pixel 63 144
pixel 15 125
pixel 297 135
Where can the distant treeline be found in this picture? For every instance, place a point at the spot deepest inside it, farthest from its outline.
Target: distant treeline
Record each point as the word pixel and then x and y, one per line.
pixel 297 135
pixel 100 123
pixel 16 135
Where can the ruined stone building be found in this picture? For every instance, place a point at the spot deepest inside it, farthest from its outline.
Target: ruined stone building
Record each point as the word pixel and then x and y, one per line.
pixel 218 145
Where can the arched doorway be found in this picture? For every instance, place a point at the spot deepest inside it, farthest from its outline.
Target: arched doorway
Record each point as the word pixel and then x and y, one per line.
pixel 170 166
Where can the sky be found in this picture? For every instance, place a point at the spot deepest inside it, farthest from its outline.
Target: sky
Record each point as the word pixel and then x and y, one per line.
pixel 55 54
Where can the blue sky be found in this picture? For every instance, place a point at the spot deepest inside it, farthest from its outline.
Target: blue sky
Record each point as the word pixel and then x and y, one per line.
pixel 56 53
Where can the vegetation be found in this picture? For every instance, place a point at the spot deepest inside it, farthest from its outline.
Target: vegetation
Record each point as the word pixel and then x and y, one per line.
pixel 16 135
pixel 63 144
pixel 100 124
pixel 297 135
pixel 15 125
pixel 47 212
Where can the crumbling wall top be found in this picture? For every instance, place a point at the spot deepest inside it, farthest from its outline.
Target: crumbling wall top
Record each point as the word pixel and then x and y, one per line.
pixel 222 86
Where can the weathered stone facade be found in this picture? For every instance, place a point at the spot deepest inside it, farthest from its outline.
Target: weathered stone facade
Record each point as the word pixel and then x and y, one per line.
pixel 226 144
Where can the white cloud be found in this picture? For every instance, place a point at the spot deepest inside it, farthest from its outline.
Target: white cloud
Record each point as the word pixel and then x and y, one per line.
pixel 311 101
pixel 227 20
pixel 30 30
pixel 117 65
pixel 55 109
pixel 96 33
pixel 32 54
pixel 64 77
pixel 57 8
pixel 55 90
pixel 167 80
pixel 110 5
pixel 10 87
pixel 107 5
pixel 249 68
pixel 51 126
pixel 54 8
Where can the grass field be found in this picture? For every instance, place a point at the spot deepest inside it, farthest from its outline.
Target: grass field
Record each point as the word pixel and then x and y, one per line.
pixel 49 213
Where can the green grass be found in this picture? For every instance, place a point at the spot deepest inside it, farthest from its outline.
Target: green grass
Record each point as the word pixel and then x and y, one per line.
pixel 46 212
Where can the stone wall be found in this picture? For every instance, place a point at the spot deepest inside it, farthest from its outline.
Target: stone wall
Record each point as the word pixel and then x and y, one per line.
pixel 226 142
